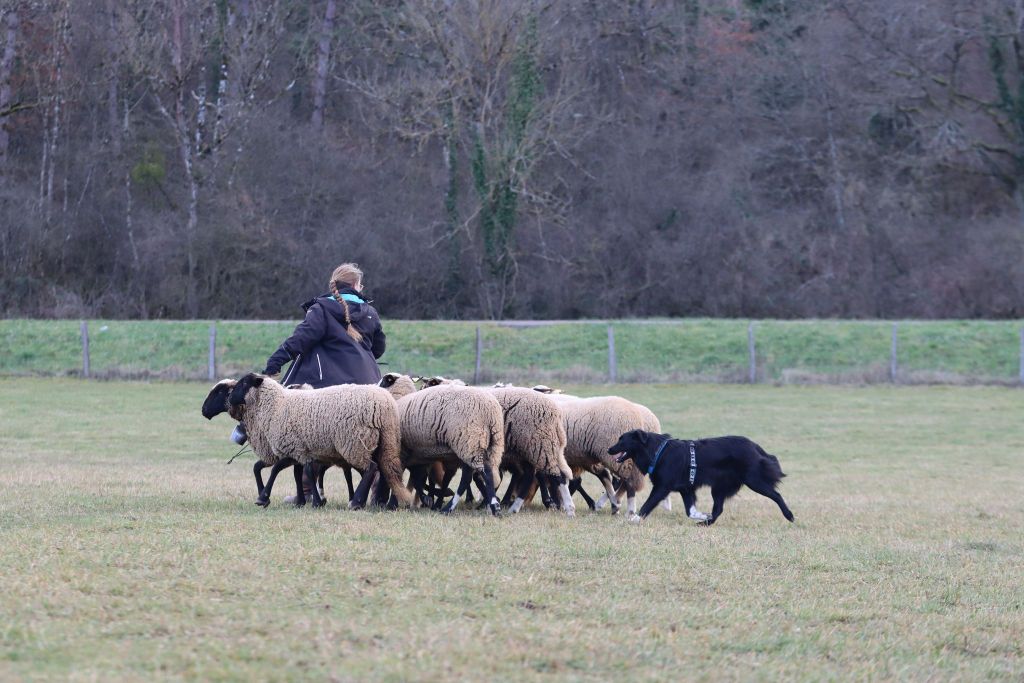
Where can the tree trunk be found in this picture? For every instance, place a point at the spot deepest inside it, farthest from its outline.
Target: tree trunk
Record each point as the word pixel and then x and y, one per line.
pixel 113 108
pixel 323 60
pixel 187 159
pixel 6 69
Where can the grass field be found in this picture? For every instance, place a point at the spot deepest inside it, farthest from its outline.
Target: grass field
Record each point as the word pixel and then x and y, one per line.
pixel 131 551
pixel 803 351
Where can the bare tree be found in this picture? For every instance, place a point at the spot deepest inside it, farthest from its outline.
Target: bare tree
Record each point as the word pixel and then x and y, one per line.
pixel 323 61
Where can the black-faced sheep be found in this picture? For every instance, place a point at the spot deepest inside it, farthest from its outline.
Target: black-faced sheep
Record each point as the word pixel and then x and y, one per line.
pixel 350 424
pixel 456 424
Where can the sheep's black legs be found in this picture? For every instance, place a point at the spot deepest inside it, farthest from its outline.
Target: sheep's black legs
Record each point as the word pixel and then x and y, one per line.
pixel 489 493
pixel 358 499
pixel 319 483
pixel 418 482
pixel 257 469
pixel 348 480
pixel 513 485
pixel 547 496
pixel 576 486
pixel 467 477
pixel 264 498
pixel 446 480
pixel 521 485
pixel 310 472
pixel 300 494
pixel 610 495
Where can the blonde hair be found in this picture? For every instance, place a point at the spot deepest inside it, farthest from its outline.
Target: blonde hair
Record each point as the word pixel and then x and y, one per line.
pixel 346 275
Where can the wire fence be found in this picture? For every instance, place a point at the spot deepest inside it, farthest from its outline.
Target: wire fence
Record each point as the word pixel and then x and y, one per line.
pixel 654 351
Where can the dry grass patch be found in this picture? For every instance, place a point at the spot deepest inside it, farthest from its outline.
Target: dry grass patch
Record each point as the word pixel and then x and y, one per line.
pixel 132 551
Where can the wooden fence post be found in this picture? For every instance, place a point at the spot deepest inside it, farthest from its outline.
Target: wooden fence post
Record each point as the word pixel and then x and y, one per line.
pixel 893 368
pixel 612 369
pixel 752 351
pixel 85 349
pixel 479 353
pixel 211 367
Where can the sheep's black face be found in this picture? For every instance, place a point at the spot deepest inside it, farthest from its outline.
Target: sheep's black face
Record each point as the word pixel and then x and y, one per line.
pixel 388 380
pixel 217 400
pixel 250 381
pixel 631 445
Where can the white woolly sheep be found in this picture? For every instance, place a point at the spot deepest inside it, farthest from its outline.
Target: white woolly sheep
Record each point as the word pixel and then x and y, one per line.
pixel 347 424
pixel 534 441
pixel 454 424
pixel 592 425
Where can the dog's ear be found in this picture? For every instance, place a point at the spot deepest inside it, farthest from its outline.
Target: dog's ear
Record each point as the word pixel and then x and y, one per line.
pixel 641 435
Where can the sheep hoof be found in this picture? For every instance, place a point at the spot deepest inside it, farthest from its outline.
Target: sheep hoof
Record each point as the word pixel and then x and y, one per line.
pixel 263 502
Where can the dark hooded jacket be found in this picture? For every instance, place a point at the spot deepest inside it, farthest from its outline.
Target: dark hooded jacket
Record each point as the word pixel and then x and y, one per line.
pixel 322 352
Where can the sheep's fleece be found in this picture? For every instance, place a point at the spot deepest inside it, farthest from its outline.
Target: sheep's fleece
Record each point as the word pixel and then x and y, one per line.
pixel 347 424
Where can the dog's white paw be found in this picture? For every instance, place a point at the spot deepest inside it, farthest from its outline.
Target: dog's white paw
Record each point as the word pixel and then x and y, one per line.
pixel 697 514
pixel 634 518
pixel 667 504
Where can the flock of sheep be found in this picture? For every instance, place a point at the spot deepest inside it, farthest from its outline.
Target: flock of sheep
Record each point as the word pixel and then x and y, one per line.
pixel 543 439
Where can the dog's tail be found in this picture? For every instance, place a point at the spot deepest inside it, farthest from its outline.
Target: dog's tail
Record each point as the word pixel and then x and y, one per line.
pixel 771 470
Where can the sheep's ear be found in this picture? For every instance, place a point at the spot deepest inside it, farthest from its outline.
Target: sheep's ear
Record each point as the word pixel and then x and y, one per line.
pixel 257 380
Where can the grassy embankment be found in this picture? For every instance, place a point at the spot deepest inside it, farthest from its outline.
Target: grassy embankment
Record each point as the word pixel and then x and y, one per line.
pixel 678 351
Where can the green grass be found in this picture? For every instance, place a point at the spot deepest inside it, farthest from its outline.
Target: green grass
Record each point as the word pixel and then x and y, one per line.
pixel 132 552
pixel 788 352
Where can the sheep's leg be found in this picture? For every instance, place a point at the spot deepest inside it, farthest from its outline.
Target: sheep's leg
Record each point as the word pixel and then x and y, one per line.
pixel 348 480
pixel 609 495
pixel 310 471
pixel 418 482
pixel 467 477
pixel 358 499
pixel 446 480
pixel 631 503
pixel 257 469
pixel 300 493
pixel 489 492
pixel 576 486
pixel 547 494
pixel 264 498
pixel 321 469
pixel 513 486
pixel 521 482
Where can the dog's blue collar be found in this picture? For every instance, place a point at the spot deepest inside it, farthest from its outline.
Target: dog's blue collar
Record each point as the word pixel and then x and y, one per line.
pixel 657 456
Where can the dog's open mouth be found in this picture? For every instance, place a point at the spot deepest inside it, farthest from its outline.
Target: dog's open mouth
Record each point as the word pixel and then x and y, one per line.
pixel 621 457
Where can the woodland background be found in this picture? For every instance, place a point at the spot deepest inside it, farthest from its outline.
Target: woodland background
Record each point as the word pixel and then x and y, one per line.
pixel 513 159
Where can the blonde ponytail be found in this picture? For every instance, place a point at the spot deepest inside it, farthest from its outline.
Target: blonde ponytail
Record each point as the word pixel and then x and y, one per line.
pixel 350 275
